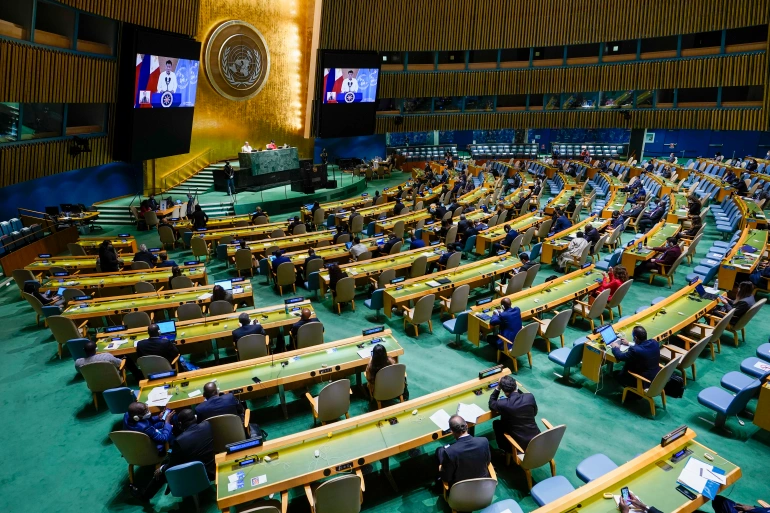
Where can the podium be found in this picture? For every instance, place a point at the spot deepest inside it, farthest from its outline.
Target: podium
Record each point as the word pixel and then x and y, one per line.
pixel 309 178
pixel 349 97
pixel 161 100
pixel 260 170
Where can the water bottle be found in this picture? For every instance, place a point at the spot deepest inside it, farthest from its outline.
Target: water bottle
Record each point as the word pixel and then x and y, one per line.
pixel 716 284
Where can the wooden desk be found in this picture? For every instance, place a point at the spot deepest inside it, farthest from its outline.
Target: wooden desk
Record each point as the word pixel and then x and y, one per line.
pixel 305 240
pixel 616 202
pixel 81 263
pixel 535 300
pixel 753 216
pixel 303 368
pixel 106 284
pixel 739 261
pixel 485 238
pixel 560 241
pixel 614 181
pixel 762 411
pixel 654 238
pixel 560 200
pixel 362 271
pixel 91 244
pixel 430 232
pixel 333 206
pixel 192 334
pixel 359 441
pixel 647 480
pixel 152 302
pixel 261 231
pixel 78 219
pixel 368 213
pixel 681 309
pixel 475 274
pixel 410 219
pixel 473 197
pixel 677 208
pixel 216 222
pixel 335 253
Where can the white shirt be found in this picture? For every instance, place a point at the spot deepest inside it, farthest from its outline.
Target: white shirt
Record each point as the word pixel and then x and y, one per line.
pixel 246 149
pixel 350 85
pixel 171 77
pixel 356 250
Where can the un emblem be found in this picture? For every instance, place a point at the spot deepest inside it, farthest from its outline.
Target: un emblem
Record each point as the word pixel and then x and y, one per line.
pixel 237 60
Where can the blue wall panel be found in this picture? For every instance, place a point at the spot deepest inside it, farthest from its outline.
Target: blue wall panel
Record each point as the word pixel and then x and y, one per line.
pixel 705 143
pixel 86 186
pixel 364 147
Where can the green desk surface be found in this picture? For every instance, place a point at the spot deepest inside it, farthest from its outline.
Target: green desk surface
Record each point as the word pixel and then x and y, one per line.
pixel 284 242
pixel 563 198
pixel 399 260
pixel 653 485
pixel 267 370
pixel 655 238
pixel 753 210
pixel 244 231
pixel 516 195
pixel 213 222
pixel 408 219
pixel 476 215
pixel 95 242
pixel 678 204
pixel 369 211
pixel 517 224
pixel 544 294
pixel 203 329
pixel 563 237
pixel 165 299
pixel 347 444
pixel 122 279
pixel 473 196
pixel 757 239
pixel 390 192
pixel 333 252
pixel 335 205
pixel 618 202
pixel 613 180
pixel 74 262
pixel 495 266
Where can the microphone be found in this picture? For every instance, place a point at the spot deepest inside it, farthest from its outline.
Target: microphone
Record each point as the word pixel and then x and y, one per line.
pixel 205 318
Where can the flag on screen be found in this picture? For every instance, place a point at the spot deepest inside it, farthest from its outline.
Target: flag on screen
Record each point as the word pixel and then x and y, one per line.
pixel 187 81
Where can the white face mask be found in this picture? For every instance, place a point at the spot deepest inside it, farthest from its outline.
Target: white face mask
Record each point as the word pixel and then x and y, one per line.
pixel 146 416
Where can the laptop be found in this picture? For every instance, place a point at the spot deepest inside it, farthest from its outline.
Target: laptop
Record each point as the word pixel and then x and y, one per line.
pixel 701 290
pixel 379 241
pixel 227 284
pixel 167 330
pixel 58 292
pixel 308 206
pixel 608 335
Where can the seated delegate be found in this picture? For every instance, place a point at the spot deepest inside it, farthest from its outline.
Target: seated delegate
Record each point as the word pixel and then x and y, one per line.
pixel 468 458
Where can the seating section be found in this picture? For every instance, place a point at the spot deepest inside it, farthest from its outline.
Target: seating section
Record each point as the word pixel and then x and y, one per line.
pixel 425 153
pixel 14 236
pixel 596 150
pixel 494 151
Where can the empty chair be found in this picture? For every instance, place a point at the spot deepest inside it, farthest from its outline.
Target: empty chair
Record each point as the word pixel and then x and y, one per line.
pixel 277 233
pixel 451 235
pixel 136 448
pixel 137 320
pixel 553 327
pixel 101 376
pixel 521 345
pixel 76 249
pixel 592 311
pixel 71 293
pixel 199 248
pixel 40 310
pixel 390 384
pixel 331 403
pixel 457 326
pixel 551 489
pixel 252 346
pixel 650 389
pixel 420 314
pixel 567 357
pixel 688 358
pixel 227 429
pixel 398 229
pixel 419 267
pixel 531 274
pixel 244 261
pixel 594 467
pixel 167 236
pixel 151 218
pixel 286 275
pixel 221 307
pixel 714 333
pixel 310 334
pixel 181 282
pixel 144 287
pixel 188 480
pixel 138 264
pixel 376 302
pixel 345 292
pixel 341 494
pixel 384 278
pixel 471 494
pixel 118 399
pixel 64 329
pixel 541 450
pixel 458 302
pixel 189 311
pixel 299 229
pixel 154 364
pixel 726 404
pixel 515 284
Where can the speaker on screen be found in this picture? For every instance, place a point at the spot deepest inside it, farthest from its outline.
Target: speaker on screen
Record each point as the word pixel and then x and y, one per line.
pixel 347 93
pixel 157 86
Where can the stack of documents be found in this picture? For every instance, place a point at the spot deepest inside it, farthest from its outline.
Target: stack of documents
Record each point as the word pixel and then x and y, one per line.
pixel 702 477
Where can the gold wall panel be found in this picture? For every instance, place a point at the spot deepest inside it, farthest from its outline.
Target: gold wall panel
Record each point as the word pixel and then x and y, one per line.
pixel 402 25
pixel 732 70
pixel 277 112
pixel 172 15
pixel 712 119
pixel 22 162
pixel 38 75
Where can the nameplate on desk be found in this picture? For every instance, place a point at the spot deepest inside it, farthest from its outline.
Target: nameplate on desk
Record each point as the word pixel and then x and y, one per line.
pixel 192 262
pixel 81 298
pixel 162 375
pixel 240 446
pixel 293 300
pixel 673 435
pixel 372 331
pixel 344 466
pixel 154 250
pixel 327 370
pixel 61 274
pixel 124 235
pixel 113 329
pixel 236 280
pixel 44 255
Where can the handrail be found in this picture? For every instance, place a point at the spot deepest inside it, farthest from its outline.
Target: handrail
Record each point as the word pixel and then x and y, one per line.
pixel 186 170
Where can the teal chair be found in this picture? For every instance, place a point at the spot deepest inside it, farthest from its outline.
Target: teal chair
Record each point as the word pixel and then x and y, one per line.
pixel 375 302
pixel 188 480
pixel 75 347
pixel 369 230
pixel 567 357
pixel 186 238
pixel 469 245
pixel 313 282
pixel 264 269
pixel 534 253
pixel 118 399
pixel 222 253
pixel 457 326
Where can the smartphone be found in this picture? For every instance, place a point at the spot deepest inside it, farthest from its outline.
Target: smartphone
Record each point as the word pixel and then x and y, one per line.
pixel 625 494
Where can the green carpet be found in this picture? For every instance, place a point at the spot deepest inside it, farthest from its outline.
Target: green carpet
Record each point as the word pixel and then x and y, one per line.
pixel 52 419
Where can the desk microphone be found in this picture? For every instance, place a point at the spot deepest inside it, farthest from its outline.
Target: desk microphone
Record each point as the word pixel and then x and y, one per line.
pixel 205 318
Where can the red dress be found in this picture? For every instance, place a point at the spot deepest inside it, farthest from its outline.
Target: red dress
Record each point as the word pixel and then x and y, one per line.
pixel 612 285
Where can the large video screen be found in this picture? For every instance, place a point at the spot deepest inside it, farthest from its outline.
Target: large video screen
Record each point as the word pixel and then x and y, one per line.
pixel 346 95
pixel 157 87
pixel 350 85
pixel 163 82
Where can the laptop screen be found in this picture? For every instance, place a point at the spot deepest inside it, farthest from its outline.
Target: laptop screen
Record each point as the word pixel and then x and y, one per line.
pixel 608 334
pixel 167 327
pixel 348 245
pixel 379 241
pixel 308 206
pixel 61 291
pixel 227 284
pixel 700 290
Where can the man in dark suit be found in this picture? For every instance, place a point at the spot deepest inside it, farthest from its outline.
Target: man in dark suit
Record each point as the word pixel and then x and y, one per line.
pixel 311 255
pixel 443 259
pixel 642 358
pixel 165 262
pixel 526 263
pixel 305 318
pixel 248 327
pixel 468 458
pixel 216 404
pixel 591 236
pixel 505 244
pixel 153 203
pixel 156 346
pixel 669 253
pixel 398 207
pixel 517 414
pixel 649 219
pixel 439 212
pixel 293 224
pixel 194 443
pixel 143 255
pixel 385 249
pixel 353 214
pixel 509 321
pixel 633 213
pixel 279 259
pixel 462 226
pixel 560 224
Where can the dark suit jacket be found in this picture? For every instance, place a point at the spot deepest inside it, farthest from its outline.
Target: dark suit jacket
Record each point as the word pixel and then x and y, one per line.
pixel 388 245
pixel 218 405
pixel 251 329
pixel 510 323
pixel 561 224
pixel 145 256
pixel 467 458
pixel 297 325
pixel 157 346
pixel 509 237
pixel 669 255
pixel 397 208
pixel 196 443
pixel 278 261
pixel 517 414
pixel 640 359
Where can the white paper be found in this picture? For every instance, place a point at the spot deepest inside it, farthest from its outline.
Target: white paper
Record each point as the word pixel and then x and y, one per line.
pixel 194 393
pixel 365 352
pixel 205 296
pixel 470 412
pixel 690 476
pixel 441 419
pixel 719 478
pixel 232 486
pixel 433 283
pixel 116 344
pixel 762 366
pixel 233 478
pixel 158 396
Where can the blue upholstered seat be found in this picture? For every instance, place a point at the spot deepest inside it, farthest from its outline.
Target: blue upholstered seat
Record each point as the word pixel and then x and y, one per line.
pixel 551 489
pixel 594 466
